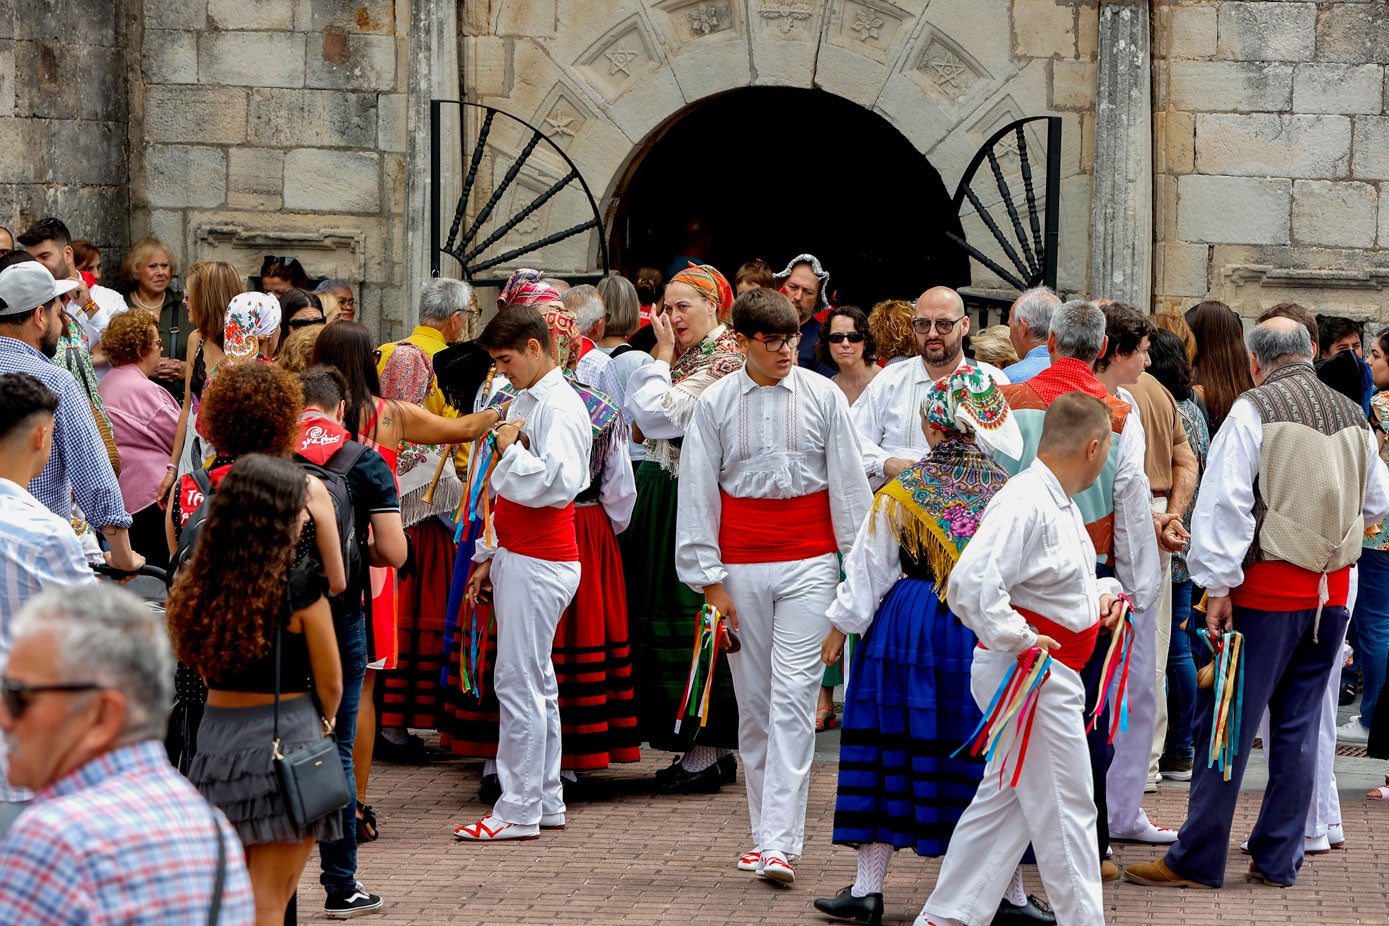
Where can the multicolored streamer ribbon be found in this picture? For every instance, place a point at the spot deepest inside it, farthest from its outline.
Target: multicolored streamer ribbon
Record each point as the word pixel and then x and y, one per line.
pixel 1228 652
pixel 1114 675
pixel 1014 705
pixel 699 687
pixel 476 503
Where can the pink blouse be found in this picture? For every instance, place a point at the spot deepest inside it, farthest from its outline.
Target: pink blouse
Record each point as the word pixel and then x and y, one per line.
pixel 144 420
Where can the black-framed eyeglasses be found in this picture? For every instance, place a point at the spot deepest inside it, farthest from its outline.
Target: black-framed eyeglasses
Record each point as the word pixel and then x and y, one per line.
pixel 853 337
pixel 295 324
pixel 776 344
pixel 942 325
pixel 17 696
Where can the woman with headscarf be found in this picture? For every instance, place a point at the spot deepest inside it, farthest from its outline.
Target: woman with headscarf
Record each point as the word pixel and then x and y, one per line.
pixel 909 679
pixel 693 350
pixel 592 658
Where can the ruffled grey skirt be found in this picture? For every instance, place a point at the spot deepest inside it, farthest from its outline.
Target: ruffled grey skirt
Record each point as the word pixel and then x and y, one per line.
pixel 234 769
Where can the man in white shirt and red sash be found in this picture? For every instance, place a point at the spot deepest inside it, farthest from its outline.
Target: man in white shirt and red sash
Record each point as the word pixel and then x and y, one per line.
pixel 759 532
pixel 1027 580
pixel 533 569
pixel 1292 479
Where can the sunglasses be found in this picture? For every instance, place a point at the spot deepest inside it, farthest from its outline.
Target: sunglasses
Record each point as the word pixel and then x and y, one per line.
pixel 286 263
pixel 17 696
pixel 778 344
pixel 942 325
pixel 298 323
pixel 853 337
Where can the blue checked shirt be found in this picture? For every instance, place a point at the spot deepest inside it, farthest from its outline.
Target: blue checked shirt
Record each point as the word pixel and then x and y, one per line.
pixel 123 839
pixel 79 464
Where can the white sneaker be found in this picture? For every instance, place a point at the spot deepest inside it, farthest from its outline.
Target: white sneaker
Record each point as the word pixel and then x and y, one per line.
pixel 491 829
pixel 1311 845
pixel 552 821
pixel 1353 732
pixel 751 862
pixel 776 868
pixel 1153 835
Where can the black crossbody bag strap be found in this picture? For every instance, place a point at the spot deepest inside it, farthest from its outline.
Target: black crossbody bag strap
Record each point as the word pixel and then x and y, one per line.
pixel 219 883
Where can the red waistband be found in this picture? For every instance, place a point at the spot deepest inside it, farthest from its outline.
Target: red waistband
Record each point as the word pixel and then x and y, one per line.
pixel 775 530
pixel 540 533
pixel 1276 585
pixel 1076 645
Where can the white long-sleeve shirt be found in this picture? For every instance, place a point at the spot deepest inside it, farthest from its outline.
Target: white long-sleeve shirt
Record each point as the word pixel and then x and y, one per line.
pixel 555 468
pixel 871 568
pixel 1222 526
pixel 1031 551
pixel 888 414
pixel 783 441
pixel 1137 565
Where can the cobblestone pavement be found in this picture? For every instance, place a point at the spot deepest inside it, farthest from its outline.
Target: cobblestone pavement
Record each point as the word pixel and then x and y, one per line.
pixel 636 857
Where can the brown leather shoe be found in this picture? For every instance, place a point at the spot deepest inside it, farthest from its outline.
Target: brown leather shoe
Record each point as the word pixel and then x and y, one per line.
pixel 1157 874
pixel 1109 872
pixel 1255 876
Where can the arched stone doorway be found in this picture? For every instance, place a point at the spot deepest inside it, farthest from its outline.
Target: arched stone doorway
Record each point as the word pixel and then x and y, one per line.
pixel 771 172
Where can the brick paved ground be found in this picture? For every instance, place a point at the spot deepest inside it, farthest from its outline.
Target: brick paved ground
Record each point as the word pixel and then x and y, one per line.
pixel 641 858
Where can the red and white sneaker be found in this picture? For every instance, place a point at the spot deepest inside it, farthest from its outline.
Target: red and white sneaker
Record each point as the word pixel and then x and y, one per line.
pixel 776 868
pixel 490 829
pixel 751 862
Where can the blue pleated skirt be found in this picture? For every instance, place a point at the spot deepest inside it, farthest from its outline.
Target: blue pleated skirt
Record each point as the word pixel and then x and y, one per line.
pixel 907 707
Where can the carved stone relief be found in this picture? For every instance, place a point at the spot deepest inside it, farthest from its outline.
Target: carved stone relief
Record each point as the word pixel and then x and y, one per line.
pixel 946 71
pixel 701 21
pixel 789 19
pixel 619 58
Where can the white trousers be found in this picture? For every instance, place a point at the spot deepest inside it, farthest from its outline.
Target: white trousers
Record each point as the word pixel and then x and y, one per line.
pixel 776 675
pixel 1128 773
pixel 1162 642
pixel 529 597
pixel 1051 807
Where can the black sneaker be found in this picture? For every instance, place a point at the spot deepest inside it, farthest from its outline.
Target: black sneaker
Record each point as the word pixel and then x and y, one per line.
pixel 357 902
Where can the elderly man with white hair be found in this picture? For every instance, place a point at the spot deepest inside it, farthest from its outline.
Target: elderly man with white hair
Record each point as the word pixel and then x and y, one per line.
pixel 115 834
pixel 589 313
pixel 1029 323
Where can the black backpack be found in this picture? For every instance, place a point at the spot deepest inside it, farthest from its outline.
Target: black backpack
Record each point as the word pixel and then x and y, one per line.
pixel 333 475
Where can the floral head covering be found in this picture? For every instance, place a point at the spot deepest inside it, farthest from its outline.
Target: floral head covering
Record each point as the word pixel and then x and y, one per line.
pixel 564 333
pixel 250 317
pixel 706 280
pixel 518 280
pixel 822 301
pixel 969 402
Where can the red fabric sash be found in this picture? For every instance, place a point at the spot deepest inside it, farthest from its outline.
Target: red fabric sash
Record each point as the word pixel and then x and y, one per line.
pixel 1076 645
pixel 1277 585
pixel 776 530
pixel 585 345
pixel 540 533
pixel 1067 375
pixel 319 437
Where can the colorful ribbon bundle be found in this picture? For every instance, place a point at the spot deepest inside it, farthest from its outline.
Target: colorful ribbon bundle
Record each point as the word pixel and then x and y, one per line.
pixel 1014 704
pixel 699 687
pixel 1114 687
pixel 1229 700
pixel 472 669
pixel 476 503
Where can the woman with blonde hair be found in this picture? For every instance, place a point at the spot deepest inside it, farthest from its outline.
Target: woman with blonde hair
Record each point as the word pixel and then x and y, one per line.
pixel 993 346
pixel 891 325
pixel 148 271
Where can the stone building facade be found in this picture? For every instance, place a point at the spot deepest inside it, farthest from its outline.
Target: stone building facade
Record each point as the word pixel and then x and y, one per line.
pixel 1244 141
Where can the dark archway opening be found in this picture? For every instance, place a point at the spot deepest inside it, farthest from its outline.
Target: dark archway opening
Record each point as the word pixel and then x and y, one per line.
pixel 772 172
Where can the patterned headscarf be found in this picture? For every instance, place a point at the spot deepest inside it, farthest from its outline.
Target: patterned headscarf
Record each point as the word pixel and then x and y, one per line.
pixel 822 301
pixel 706 280
pixel 969 402
pixel 250 316
pixel 518 279
pixel 564 333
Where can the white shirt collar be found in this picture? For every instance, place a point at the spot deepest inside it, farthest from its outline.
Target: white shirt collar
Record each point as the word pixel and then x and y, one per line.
pixel 746 383
pixel 1053 485
pixel 541 387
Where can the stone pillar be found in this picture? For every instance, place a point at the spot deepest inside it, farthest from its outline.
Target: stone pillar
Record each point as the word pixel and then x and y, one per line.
pixel 434 74
pixel 1121 214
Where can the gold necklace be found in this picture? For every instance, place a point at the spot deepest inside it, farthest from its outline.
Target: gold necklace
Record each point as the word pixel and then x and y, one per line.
pixel 135 296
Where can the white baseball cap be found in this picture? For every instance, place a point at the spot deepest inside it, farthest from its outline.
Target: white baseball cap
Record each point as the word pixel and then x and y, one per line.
pixel 27 286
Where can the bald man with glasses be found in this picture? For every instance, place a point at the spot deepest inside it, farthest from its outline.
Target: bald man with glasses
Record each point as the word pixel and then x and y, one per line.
pixel 888 414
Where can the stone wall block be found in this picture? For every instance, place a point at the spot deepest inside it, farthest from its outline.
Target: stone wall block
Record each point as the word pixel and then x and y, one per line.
pixel 1352 32
pixel 476 18
pixel 1183 269
pixel 312 118
pixel 68 21
pixel 48 79
pixel 255 170
pixel 340 60
pixel 1338 88
pixel 1185 31
pixel 1176 142
pixel 6 78
pixel 1266 145
pixel 1383 240
pixel 185 175
pixel 1267 31
pixel 376 16
pixel 391 109
pixel 1044 29
pixel 170 56
pixel 206 115
pixel 526 17
pixel 251 59
pixel 1229 86
pixel 1260 206
pixel 270 15
pixel 1073 85
pixel 82 152
pixel 175 14
pixel 323 180
pixel 1335 214
pixel 1371 160
pixel 487 70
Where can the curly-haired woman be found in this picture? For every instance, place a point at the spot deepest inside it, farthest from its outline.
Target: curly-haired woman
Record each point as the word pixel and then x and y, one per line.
pixel 847 346
pixel 144 419
pixel 891 325
pixel 240 599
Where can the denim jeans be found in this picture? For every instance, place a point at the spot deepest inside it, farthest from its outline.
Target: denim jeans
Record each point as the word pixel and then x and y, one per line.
pixel 1181 675
pixel 339 857
pixel 1372 629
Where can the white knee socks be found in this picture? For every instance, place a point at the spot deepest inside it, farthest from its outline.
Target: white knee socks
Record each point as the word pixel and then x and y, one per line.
pixel 873 859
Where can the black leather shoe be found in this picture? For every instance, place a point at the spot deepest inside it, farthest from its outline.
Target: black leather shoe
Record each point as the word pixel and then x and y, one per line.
pixel 490 791
pixel 681 781
pixel 866 910
pixel 674 768
pixel 1033 913
pixel 728 769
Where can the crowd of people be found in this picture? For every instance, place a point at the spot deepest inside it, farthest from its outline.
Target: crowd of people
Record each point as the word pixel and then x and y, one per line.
pixel 674 515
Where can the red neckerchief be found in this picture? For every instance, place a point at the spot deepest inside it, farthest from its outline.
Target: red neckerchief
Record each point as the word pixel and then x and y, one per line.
pixel 1067 375
pixel 319 437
